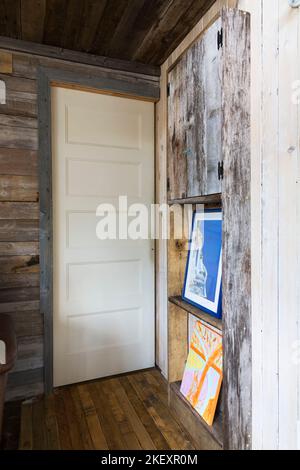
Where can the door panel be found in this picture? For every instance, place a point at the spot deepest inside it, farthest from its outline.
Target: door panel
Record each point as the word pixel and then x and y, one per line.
pixel 195 118
pixel 103 147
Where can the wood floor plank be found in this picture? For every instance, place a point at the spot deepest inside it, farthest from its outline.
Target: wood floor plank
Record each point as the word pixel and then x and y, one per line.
pixel 128 412
pixel 129 436
pixel 161 391
pixel 74 429
pixel 147 420
pixel 62 422
pixel 139 429
pixel 173 433
pixel 92 419
pixel 80 417
pixel 110 427
pixel 52 435
pixel 25 442
pixel 38 425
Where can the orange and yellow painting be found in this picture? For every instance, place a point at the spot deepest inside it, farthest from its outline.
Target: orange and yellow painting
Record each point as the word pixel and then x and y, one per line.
pixel 203 375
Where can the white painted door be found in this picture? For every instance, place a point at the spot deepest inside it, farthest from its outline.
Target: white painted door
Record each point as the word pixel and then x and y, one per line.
pixel 103 147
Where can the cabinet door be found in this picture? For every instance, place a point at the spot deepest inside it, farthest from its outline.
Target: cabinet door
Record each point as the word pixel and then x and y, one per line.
pixel 194 119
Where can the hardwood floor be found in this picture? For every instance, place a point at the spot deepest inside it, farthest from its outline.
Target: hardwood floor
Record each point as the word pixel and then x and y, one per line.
pixel 125 412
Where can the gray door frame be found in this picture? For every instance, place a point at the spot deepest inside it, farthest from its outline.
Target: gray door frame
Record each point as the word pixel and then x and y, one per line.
pixel 138 88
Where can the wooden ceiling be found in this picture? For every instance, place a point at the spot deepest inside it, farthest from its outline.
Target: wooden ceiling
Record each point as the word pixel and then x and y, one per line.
pixel 145 31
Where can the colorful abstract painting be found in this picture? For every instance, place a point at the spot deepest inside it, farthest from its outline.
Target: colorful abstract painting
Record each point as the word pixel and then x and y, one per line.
pixel 202 377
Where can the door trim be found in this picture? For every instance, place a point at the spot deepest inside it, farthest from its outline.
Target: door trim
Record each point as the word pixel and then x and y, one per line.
pixel 47 77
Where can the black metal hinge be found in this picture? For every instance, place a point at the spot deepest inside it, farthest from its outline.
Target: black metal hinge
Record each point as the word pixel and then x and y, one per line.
pixel 168 90
pixel 220 38
pixel 220 171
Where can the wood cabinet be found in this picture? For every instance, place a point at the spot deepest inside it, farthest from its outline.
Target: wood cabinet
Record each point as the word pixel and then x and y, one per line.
pixel 195 118
pixel 209 131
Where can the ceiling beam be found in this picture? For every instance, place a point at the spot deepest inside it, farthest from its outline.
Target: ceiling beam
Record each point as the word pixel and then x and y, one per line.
pixel 78 57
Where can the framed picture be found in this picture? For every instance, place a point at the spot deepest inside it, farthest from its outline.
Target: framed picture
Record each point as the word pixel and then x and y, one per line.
pixel 203 373
pixel 203 276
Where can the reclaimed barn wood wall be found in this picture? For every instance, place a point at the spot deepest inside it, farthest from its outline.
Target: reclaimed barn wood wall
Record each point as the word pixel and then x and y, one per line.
pixel 236 243
pixel 19 210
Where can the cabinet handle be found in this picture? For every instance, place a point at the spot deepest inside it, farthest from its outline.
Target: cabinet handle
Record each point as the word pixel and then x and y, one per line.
pixel 220 171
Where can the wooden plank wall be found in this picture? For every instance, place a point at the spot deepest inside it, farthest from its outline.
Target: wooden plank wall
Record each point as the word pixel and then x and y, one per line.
pixel 19 211
pixel 236 208
pixel 275 146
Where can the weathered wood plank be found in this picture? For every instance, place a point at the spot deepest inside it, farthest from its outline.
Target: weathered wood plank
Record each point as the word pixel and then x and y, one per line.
pixel 30 353
pixel 177 341
pixel 194 119
pixel 20 162
pixel 146 419
pixel 177 257
pixel 46 225
pixel 110 428
pixel 25 66
pixel 20 84
pixel 170 27
pixel 5 62
pixel 91 15
pixel 130 439
pixel 19 230
pixel 19 188
pixel 19 210
pixel 72 27
pixel 25 441
pixel 93 422
pixel 21 96
pixel 32 20
pixel 10 18
pixel 22 391
pixel 27 377
pixel 55 22
pixel 108 22
pixel 18 121
pixel 38 427
pixel 81 420
pixel 19 103
pixel 74 429
pixel 19 248
pixel 27 323
pixel 19 264
pixel 16 280
pixel 20 294
pixel 15 137
pixel 52 435
pixel 176 437
pixel 62 422
pixel 14 307
pixel 78 57
pixel 141 432
pixel 236 276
